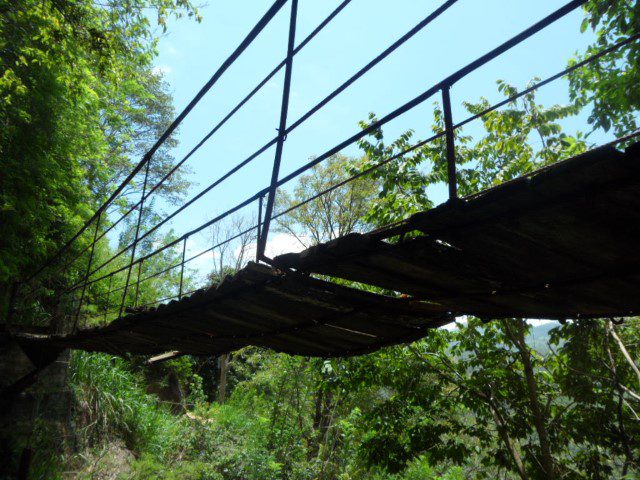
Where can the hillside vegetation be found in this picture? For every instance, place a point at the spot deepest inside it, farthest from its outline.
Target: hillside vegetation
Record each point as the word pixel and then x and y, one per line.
pixel 80 103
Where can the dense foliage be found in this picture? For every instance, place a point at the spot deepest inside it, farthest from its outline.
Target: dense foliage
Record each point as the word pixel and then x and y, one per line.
pixel 79 103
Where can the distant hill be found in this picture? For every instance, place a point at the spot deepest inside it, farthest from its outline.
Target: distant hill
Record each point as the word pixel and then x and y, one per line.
pixel 539 336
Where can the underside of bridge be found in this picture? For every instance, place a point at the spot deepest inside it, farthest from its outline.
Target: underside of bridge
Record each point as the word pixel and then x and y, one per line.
pixel 559 243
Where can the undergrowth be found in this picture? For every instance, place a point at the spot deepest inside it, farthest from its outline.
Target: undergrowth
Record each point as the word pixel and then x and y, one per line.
pixel 235 441
pixel 111 402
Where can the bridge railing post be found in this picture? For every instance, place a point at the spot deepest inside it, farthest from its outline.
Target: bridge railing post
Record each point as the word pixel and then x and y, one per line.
pixel 258 235
pixel 137 235
pixel 86 275
pixel 450 142
pixel 106 303
pixel 282 132
pixel 135 300
pixel 184 251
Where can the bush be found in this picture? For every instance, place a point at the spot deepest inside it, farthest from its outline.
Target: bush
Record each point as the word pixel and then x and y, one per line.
pixel 233 441
pixel 418 469
pixel 111 402
pixel 149 467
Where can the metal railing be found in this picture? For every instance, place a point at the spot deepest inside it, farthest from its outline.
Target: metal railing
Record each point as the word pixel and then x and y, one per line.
pixel 102 225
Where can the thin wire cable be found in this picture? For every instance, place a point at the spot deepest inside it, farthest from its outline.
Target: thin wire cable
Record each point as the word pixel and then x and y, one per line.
pixel 338 185
pixel 447 82
pixel 255 31
pixel 394 114
pixel 388 51
pixel 220 124
pixel 550 79
pixel 420 26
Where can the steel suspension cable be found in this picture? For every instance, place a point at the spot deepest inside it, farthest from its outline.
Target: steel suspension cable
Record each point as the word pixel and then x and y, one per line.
pixel 222 122
pixel 418 27
pixel 450 80
pixel 255 31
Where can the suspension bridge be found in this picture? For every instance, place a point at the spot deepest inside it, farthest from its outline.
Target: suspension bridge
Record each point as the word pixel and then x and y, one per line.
pixel 559 243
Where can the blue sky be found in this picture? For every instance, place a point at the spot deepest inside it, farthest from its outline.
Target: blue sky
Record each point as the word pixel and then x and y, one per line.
pixel 191 52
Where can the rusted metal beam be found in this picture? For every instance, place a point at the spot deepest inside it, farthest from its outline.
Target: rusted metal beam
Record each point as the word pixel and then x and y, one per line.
pixel 282 134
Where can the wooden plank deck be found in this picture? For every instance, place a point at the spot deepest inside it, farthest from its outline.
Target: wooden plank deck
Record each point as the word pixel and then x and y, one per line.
pixel 559 243
pixel 262 306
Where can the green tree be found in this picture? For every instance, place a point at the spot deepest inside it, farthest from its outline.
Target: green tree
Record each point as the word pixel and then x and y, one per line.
pixel 78 100
pixel 518 139
pixel 609 86
pixel 332 214
pixel 597 372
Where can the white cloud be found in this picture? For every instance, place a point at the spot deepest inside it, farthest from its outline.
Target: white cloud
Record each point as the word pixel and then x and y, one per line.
pixel 202 264
pixel 277 244
pixel 272 85
pixel 163 70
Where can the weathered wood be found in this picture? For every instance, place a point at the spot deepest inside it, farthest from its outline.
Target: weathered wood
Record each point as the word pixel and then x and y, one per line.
pixel 265 307
pixel 559 243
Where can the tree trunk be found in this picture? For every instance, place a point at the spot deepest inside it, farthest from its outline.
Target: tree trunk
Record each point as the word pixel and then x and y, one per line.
pixel 620 413
pixel 318 409
pixel 501 426
pixel 222 378
pixel 326 417
pixel 539 416
pixel 623 349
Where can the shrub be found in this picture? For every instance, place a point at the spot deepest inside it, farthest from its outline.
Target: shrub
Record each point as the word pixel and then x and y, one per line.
pixel 112 402
pixel 149 467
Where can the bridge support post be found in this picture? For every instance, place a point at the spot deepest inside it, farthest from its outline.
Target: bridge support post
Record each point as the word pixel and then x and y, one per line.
pixel 135 300
pixel 282 131
pixel 258 235
pixel 184 251
pixel 137 235
pixel 86 275
pixel 451 145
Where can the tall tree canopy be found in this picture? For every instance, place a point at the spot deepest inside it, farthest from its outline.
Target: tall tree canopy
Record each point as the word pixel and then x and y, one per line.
pixel 609 87
pixel 79 102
